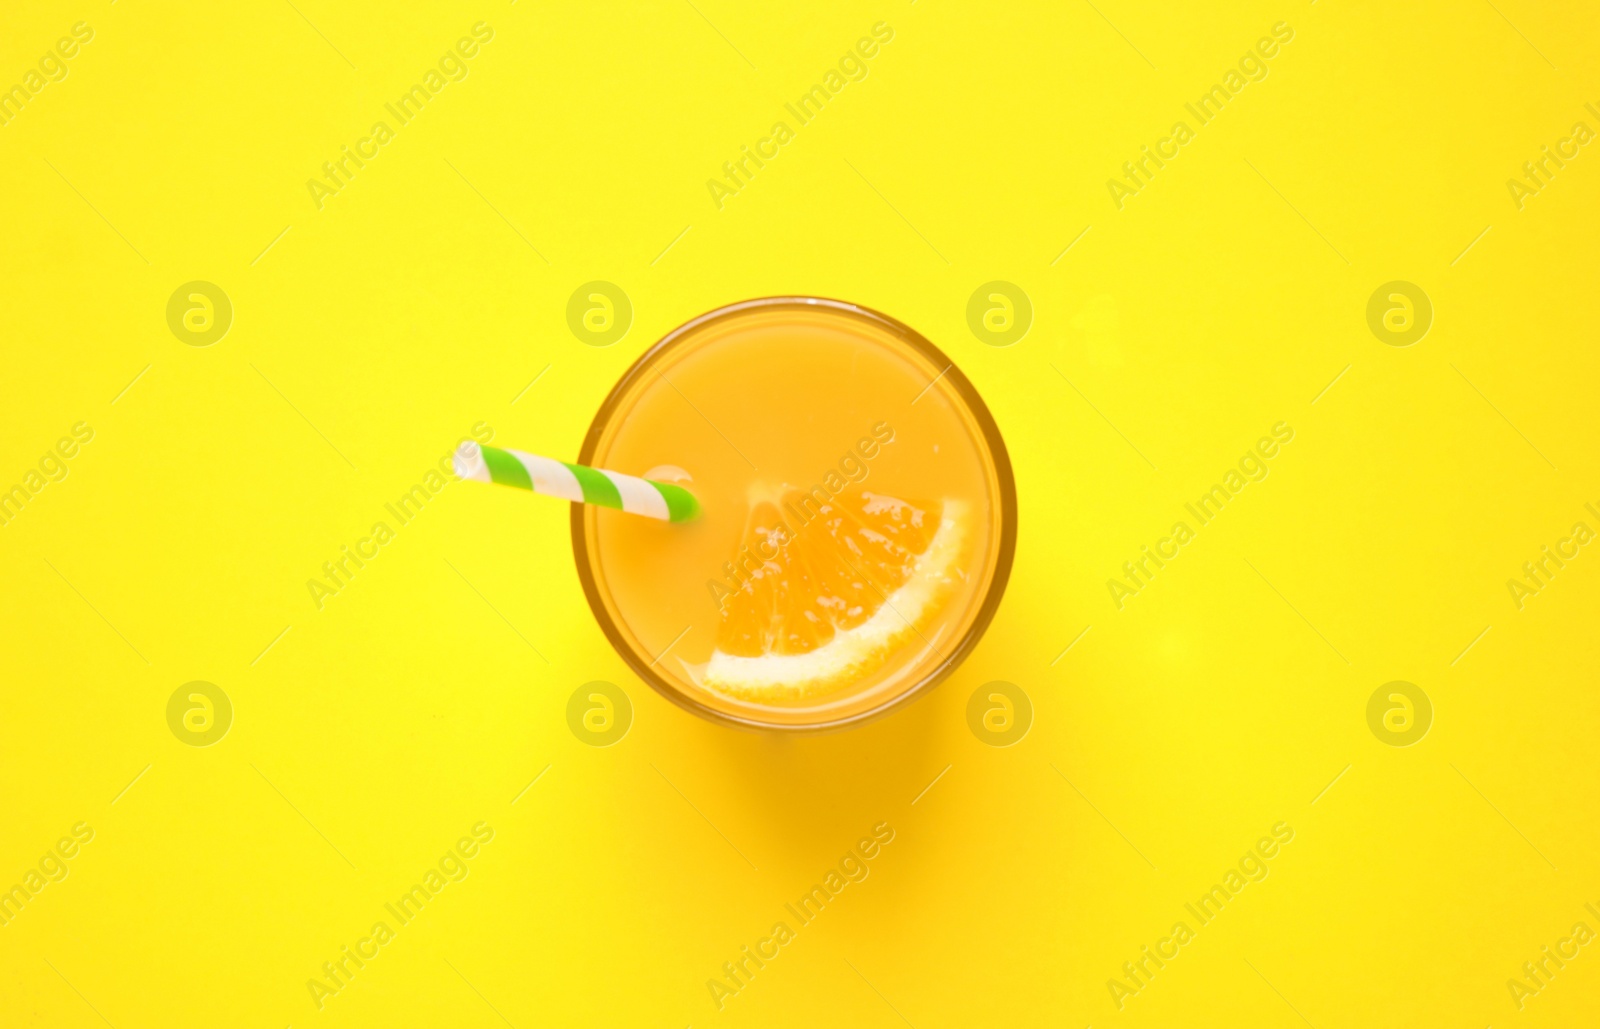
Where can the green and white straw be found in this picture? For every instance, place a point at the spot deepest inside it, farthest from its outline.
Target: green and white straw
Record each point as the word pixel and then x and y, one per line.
pixel 576 482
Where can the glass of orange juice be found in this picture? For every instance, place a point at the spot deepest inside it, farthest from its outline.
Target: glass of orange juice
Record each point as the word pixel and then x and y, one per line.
pixel 859 515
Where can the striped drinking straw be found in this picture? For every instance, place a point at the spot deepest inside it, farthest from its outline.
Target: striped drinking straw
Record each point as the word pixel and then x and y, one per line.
pixel 576 482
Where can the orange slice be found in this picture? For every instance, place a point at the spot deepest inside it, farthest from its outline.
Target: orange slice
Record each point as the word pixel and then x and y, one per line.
pixel 826 592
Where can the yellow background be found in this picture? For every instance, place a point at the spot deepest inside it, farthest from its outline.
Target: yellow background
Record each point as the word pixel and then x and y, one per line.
pixel 422 299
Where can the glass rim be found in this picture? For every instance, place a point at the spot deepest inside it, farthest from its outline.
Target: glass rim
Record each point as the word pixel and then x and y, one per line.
pixel 992 442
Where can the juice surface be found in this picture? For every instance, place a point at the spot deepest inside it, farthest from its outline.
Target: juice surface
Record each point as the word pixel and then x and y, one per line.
pixel 779 399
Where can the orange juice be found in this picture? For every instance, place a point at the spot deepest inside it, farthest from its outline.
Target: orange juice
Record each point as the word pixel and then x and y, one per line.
pixel 859 515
